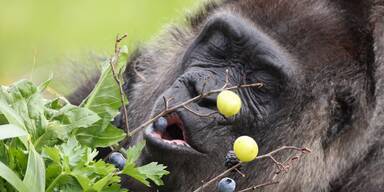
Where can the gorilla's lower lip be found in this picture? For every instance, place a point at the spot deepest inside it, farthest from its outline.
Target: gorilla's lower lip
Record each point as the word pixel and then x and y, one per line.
pixel 165 142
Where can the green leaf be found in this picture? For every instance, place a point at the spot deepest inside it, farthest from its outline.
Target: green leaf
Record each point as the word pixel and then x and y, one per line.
pixel 26 101
pixel 154 172
pixel 83 180
pixel 114 188
pixel 105 101
pixel 105 97
pixel 51 172
pixel 35 175
pixel 75 160
pixel 81 117
pixel 100 136
pixel 64 182
pixel 7 174
pixel 99 185
pixel 75 117
pixel 45 84
pixel 3 120
pixel 89 155
pixel 11 131
pixel 12 118
pixel 11 115
pixel 131 170
pixel 50 137
pixel 72 152
pixel 133 153
pixel 102 168
pixel 52 153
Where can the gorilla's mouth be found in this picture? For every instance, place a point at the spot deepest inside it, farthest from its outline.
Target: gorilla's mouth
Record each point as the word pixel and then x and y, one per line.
pixel 172 138
pixel 174 133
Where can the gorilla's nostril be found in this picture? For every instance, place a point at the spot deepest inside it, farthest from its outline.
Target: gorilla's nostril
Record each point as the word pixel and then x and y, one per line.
pixel 209 103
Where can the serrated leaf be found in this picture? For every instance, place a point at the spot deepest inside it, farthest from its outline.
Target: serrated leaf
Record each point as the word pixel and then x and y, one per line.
pixel 52 153
pixel 102 168
pixel 154 172
pixel 83 180
pixel 132 171
pixel 114 188
pixel 71 152
pixel 7 174
pixel 133 153
pixel 89 155
pixel 99 185
pixel 35 175
pixel 11 131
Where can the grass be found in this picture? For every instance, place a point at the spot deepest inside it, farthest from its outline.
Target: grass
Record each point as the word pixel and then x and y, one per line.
pixel 38 36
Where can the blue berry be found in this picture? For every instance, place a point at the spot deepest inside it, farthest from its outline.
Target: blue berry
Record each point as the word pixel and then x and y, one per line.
pixel 226 185
pixel 117 159
pixel 161 124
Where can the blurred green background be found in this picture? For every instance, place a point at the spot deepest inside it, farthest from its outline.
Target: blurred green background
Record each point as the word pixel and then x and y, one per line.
pixel 37 37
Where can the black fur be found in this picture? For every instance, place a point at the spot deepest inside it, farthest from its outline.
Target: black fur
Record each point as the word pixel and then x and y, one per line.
pixel 322 63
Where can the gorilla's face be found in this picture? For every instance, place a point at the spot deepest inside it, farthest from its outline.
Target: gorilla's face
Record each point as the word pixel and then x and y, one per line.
pixel 225 43
pixel 313 96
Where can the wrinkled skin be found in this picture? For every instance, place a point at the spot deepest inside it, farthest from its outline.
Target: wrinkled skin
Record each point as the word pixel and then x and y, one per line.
pixel 321 63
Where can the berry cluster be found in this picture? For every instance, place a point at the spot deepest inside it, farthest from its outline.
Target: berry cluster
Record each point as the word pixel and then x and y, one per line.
pixel 231 159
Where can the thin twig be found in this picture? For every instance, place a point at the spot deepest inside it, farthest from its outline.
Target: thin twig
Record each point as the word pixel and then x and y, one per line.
pixel 266 156
pixel 226 79
pixel 239 172
pixel 259 186
pixel 199 114
pixel 166 105
pixel 217 177
pixel 113 62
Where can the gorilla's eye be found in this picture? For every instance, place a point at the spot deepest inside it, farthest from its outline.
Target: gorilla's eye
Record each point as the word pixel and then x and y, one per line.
pixel 217 42
pixel 340 116
pixel 229 41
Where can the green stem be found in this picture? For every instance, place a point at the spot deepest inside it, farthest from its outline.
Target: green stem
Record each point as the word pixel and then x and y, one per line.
pixel 53 184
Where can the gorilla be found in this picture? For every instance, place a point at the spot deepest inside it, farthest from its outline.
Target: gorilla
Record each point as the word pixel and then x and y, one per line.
pixel 322 66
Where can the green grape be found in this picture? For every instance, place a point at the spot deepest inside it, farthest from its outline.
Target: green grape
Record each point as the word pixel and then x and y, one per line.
pixel 228 103
pixel 245 148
